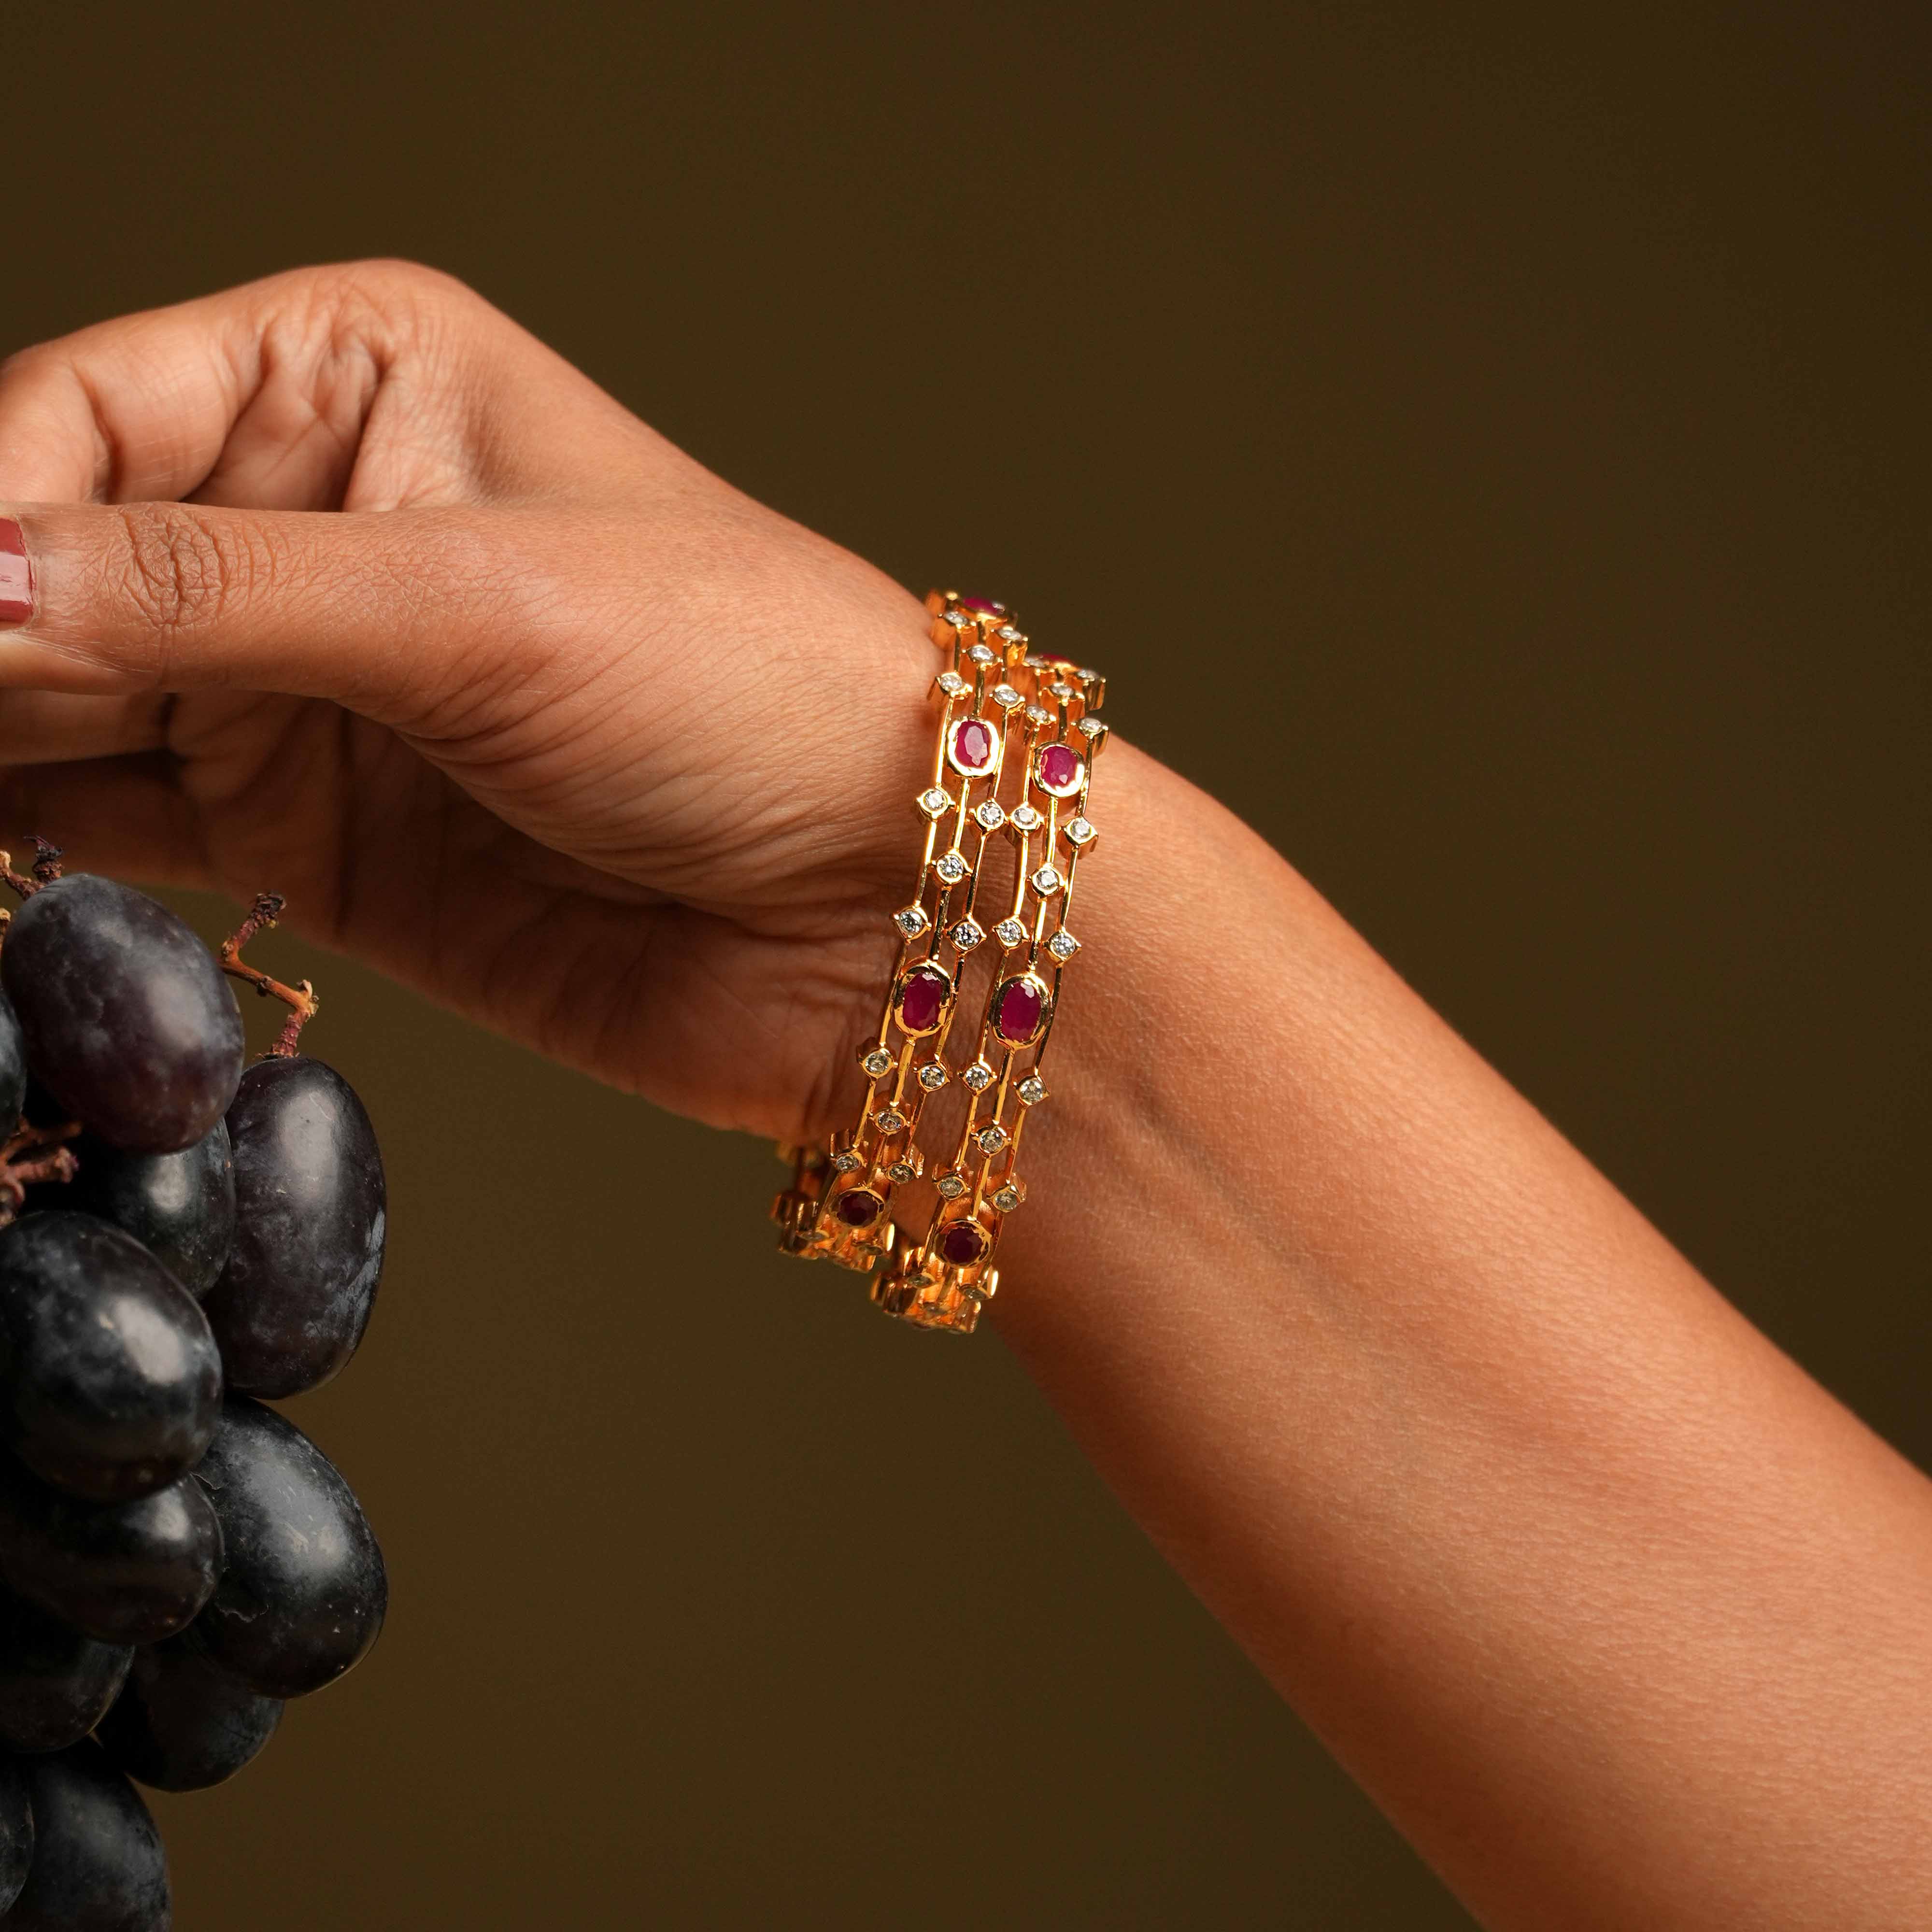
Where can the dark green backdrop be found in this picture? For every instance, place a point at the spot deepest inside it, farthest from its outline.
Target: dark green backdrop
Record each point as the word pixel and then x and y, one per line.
pixel 1530 413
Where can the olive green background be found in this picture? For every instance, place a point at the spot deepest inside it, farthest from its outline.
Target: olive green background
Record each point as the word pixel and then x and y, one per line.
pixel 1489 452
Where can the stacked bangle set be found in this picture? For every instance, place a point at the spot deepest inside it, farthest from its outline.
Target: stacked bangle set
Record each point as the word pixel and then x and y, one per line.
pixel 1018 736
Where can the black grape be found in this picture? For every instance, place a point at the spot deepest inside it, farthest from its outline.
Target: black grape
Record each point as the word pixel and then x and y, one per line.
pixel 310 1218
pixel 112 1380
pixel 303 1589
pixel 97 1865
pixel 183 1723
pixel 56 1685
pixel 16 1833
pixel 180 1206
pixel 129 1024
pixel 12 1068
pixel 123 1573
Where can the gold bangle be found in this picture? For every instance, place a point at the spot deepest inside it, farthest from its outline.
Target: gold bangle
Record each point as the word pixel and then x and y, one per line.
pixel 1002 710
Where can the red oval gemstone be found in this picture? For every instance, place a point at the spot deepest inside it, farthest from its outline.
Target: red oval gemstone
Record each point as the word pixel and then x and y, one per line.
pixel 983 607
pixel 858 1206
pixel 1059 769
pixel 962 1243
pixel 923 993
pixel 972 744
pixel 1019 1008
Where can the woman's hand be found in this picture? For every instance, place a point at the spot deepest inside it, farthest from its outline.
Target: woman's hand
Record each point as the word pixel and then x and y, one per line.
pixel 538 714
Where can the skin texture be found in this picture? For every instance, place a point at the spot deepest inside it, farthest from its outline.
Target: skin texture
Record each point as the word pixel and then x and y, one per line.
pixel 290 1308
pixel 345 582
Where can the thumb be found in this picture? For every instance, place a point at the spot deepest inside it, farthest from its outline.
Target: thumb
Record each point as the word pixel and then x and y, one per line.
pixel 384 612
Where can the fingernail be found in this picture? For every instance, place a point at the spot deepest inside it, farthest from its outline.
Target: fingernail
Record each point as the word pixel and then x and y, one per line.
pixel 16 576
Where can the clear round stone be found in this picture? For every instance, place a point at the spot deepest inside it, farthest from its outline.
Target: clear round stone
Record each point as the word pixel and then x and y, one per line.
pixel 903 1171
pixel 1063 945
pixel 957 619
pixel 1026 818
pixel 911 920
pixel 1007 634
pixel 990 815
pixel 1032 1090
pixel 982 654
pixel 967 934
pixel 1008 1197
pixel 1047 881
pixel 1087 676
pixel 876 1062
pixel 845 1161
pixel 951 867
pixel 1064 692
pixel 1038 714
pixel 951 1186
pixel 951 683
pixel 1007 697
pixel 1010 932
pixel 934 802
pixel 1039 663
pixel 978 1076
pixel 1089 727
pixel 991 1139
pixel 932 1076
pixel 1080 831
pixel 892 1121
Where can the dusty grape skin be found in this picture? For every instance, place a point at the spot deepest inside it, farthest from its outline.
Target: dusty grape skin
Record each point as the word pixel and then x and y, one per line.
pixel 303 1589
pixel 121 1573
pixel 129 1023
pixel 16 1833
pixel 180 1206
pixel 56 1685
pixel 112 1380
pixel 12 1068
pixel 98 1865
pixel 182 1723
pixel 310 1221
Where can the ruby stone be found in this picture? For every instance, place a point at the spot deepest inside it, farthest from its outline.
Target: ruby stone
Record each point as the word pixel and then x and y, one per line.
pixel 923 993
pixel 858 1206
pixel 1018 1007
pixel 972 744
pixel 962 1243
pixel 1059 769
pixel 984 606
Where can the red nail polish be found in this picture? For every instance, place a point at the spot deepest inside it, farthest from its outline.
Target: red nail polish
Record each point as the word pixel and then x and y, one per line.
pixel 16 576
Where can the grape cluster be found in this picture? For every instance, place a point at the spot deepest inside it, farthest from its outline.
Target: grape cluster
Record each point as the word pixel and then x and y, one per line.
pixel 181 1241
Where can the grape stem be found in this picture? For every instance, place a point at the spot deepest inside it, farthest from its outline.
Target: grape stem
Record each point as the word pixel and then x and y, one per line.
pixel 31 1154
pixel 300 998
pixel 46 868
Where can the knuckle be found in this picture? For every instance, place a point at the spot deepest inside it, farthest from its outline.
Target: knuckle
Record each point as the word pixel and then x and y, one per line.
pixel 180 570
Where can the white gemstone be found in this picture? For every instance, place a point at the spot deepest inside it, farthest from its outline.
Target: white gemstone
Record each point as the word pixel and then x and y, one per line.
pixel 1046 882
pixel 903 1171
pixel 1089 727
pixel 982 654
pixel 1087 676
pixel 892 1121
pixel 1007 634
pixel 935 802
pixel 911 920
pixel 1006 697
pixel 1008 1197
pixel 1080 831
pixel 1038 714
pixel 951 867
pixel 957 619
pixel 1027 819
pixel 1010 932
pixel 951 683
pixel 967 934
pixel 1039 663
pixel 1032 1090
pixel 951 1186
pixel 876 1062
pixel 991 1139
pixel 990 815
pixel 978 1076
pixel 845 1161
pixel 1064 692
pixel 932 1076
pixel 1063 945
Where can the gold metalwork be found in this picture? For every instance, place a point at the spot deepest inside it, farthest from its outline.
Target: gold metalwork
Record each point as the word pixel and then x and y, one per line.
pixel 1026 702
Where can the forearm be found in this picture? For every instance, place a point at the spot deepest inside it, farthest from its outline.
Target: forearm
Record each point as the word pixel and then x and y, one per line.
pixel 1618 1614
